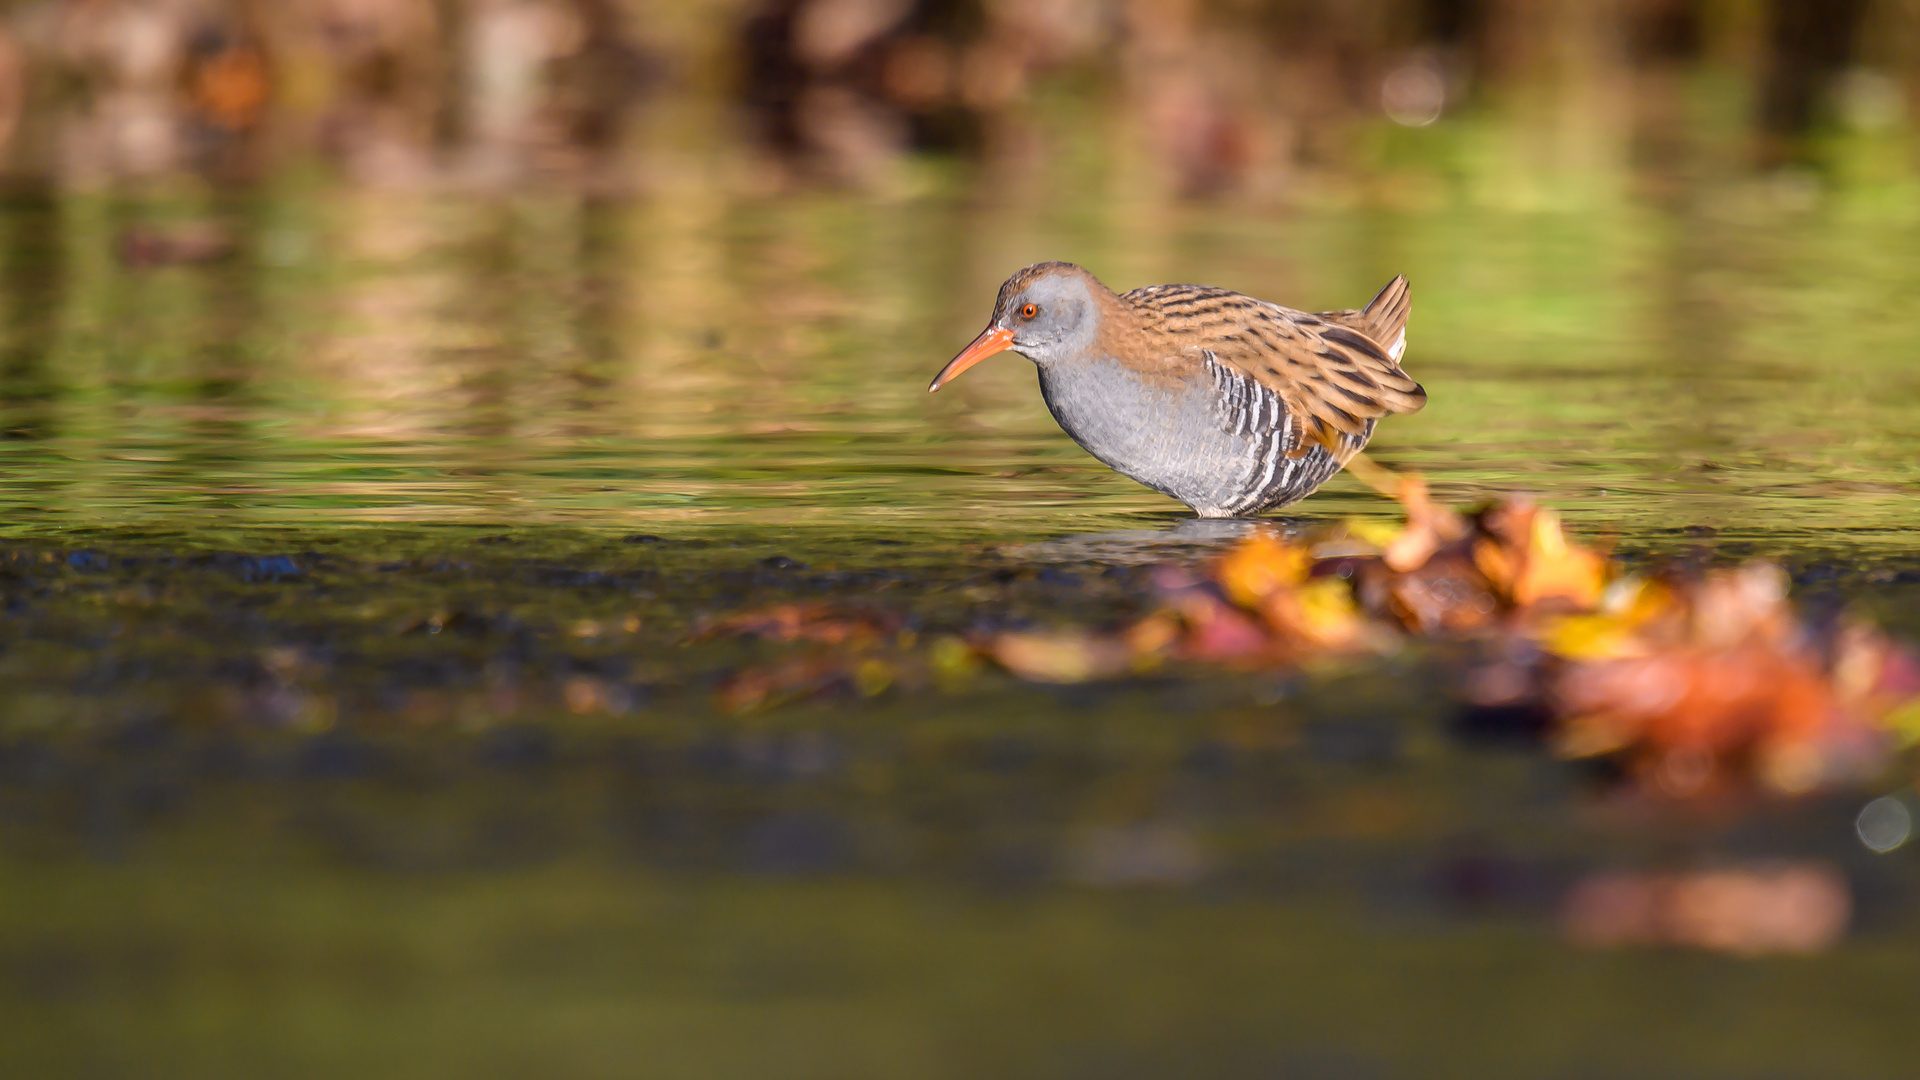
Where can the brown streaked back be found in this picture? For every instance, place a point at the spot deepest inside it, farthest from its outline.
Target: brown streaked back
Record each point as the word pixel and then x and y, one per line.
pixel 1331 371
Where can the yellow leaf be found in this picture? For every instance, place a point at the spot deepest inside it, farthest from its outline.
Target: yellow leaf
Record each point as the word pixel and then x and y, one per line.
pixel 1903 723
pixel 1372 532
pixel 1327 611
pixel 1592 637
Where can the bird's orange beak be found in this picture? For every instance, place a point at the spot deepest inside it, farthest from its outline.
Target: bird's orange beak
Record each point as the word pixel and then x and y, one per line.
pixel 992 340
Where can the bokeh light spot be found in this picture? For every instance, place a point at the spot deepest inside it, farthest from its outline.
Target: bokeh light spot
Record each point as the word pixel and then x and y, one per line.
pixel 1884 824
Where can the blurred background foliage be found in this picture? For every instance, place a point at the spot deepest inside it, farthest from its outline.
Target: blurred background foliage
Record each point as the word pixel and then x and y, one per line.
pixel 1249 99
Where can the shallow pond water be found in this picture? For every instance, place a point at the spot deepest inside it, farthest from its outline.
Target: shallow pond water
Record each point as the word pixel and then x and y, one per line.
pixel 349 722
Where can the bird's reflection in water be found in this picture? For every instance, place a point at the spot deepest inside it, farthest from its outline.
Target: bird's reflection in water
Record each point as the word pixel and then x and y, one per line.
pixel 1180 538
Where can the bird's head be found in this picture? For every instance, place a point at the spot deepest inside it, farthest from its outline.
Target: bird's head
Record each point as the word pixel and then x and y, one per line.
pixel 1046 313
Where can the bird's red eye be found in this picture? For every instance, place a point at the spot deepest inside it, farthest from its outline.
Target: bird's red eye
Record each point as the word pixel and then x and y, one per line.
pixel 1028 311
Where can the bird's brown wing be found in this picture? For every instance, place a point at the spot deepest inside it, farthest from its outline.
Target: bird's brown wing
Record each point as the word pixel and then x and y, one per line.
pixel 1332 375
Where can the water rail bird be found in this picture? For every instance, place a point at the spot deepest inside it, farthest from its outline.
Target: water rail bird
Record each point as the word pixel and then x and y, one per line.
pixel 1229 404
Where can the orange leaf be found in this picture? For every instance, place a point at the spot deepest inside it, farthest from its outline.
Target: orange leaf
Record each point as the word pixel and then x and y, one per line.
pixel 1430 526
pixel 1259 566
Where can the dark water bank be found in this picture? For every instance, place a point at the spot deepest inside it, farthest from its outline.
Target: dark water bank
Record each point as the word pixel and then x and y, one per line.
pixel 451 801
